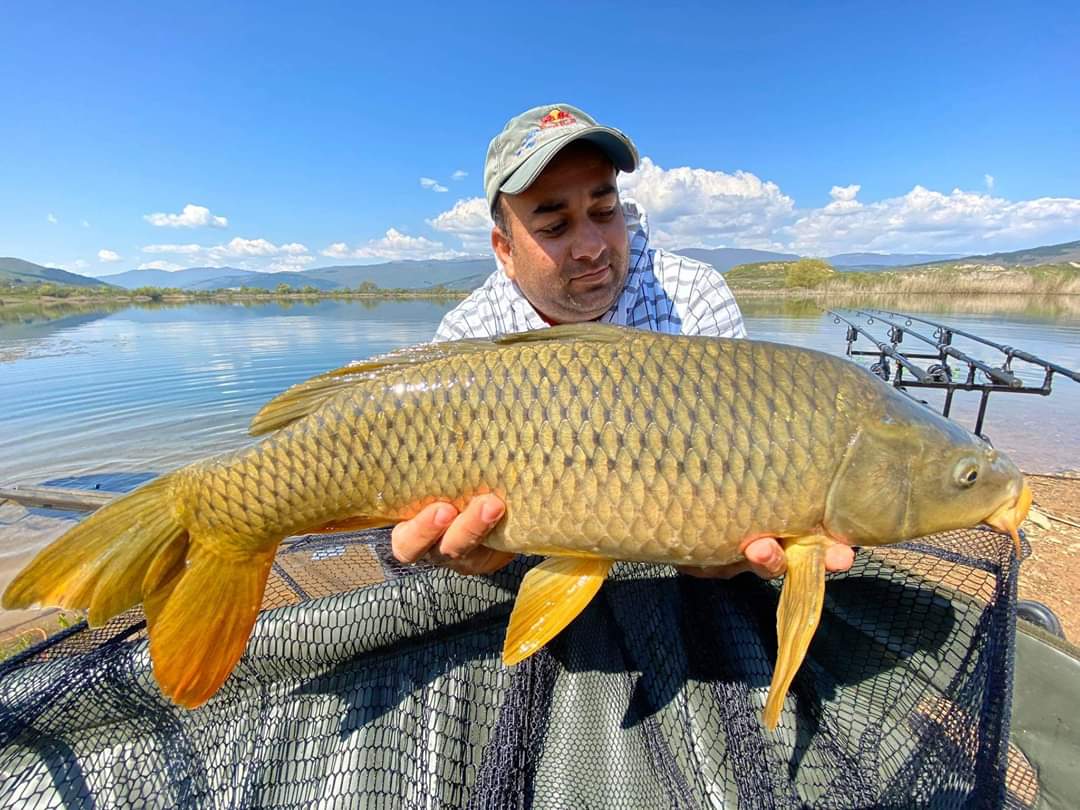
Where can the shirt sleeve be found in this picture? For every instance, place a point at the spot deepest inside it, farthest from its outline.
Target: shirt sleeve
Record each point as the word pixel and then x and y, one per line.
pixel 450 328
pixel 713 310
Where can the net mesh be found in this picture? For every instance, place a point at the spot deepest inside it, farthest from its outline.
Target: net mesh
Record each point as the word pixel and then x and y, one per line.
pixel 367 683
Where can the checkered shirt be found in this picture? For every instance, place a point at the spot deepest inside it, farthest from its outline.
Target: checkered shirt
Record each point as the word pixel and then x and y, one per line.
pixel 664 292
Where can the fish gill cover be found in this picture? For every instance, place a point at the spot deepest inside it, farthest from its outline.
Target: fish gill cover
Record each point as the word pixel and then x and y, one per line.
pixel 392 694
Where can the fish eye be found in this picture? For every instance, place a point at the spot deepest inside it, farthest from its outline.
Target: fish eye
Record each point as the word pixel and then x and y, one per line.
pixel 967 473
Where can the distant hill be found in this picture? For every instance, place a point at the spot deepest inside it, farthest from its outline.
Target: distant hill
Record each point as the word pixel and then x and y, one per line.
pixel 174 278
pixel 453 274
pixel 1047 254
pixel 877 261
pixel 723 259
pixel 24 272
pixel 262 281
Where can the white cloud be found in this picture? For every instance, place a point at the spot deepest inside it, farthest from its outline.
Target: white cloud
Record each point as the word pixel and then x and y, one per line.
pixel 106 255
pixel 85 224
pixel 185 249
pixel 989 180
pixel 434 185
pixel 193 216
pixel 925 220
pixel 394 246
pixel 460 174
pixel 690 207
pixel 469 220
pixel 160 264
pixel 247 254
pixel 71 267
pixel 290 262
pixel 52 218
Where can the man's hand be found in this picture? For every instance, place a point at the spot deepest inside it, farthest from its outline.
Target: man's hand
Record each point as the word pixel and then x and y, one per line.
pixel 766 559
pixel 449 538
pixel 445 536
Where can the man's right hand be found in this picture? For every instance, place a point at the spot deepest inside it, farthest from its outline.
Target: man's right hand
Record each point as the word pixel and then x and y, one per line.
pixel 442 534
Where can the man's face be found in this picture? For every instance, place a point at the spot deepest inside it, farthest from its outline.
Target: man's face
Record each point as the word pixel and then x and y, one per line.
pixel 567 249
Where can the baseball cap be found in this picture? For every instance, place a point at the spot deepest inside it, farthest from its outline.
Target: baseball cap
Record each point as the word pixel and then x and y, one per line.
pixel 529 142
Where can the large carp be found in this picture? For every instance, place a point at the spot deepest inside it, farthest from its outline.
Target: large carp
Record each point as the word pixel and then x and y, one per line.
pixel 605 443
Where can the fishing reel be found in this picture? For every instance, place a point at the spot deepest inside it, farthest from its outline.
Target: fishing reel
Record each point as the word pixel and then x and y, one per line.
pixel 940 373
pixel 881 369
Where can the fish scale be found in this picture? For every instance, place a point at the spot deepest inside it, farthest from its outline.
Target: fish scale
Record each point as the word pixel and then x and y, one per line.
pixel 650 450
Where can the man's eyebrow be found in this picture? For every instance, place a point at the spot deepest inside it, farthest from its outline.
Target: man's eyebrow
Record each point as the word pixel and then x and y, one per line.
pixel 551 206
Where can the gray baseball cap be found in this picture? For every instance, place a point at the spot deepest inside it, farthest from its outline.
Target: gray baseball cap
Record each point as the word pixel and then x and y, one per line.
pixel 529 142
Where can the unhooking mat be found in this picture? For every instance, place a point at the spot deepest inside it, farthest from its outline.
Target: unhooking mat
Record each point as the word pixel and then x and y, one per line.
pixel 392 695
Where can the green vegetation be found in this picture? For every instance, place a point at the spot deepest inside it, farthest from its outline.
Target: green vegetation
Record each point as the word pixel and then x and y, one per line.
pixel 20 293
pixel 802 274
pixel 959 277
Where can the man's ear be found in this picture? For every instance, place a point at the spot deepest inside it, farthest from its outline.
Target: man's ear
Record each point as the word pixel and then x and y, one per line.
pixel 504 250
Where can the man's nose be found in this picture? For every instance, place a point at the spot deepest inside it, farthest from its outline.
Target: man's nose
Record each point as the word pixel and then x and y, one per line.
pixel 588 242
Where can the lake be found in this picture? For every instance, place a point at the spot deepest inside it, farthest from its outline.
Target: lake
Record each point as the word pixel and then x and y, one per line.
pixel 94 393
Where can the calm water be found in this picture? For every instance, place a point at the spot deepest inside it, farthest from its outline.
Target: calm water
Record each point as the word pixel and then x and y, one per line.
pixel 142 390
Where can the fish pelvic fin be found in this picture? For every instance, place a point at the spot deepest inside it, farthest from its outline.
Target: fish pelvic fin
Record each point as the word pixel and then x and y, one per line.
pixel 797 618
pixel 100 565
pixel 199 618
pixel 550 596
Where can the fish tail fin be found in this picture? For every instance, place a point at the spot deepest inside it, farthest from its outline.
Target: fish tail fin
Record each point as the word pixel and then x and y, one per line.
pixel 200 618
pixel 797 618
pixel 100 564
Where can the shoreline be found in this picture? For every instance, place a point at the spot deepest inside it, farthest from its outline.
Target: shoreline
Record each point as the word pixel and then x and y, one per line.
pixel 792 294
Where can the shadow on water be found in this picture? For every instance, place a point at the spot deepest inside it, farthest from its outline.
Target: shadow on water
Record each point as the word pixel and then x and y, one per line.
pixel 99 482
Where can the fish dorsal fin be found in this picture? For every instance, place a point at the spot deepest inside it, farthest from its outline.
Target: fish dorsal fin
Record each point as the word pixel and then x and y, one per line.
pixel 592 332
pixel 550 596
pixel 306 397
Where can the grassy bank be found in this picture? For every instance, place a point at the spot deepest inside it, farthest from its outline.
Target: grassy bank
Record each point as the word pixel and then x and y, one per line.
pixel 950 278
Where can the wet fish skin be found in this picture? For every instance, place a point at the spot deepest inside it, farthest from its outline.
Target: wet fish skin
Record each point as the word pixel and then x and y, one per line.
pixel 605 444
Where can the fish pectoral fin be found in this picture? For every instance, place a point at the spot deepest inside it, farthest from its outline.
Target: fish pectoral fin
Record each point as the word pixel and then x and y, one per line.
pixel 797 617
pixel 200 619
pixel 551 595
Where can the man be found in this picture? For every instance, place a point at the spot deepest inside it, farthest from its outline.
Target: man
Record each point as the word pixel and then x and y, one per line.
pixel 570 251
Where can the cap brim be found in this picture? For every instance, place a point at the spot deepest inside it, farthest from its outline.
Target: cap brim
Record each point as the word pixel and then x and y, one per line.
pixel 613 143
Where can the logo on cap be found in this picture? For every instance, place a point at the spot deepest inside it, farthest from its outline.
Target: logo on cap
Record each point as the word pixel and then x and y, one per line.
pixel 557 118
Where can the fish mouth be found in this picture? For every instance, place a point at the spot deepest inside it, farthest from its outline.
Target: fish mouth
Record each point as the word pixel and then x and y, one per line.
pixel 1009 517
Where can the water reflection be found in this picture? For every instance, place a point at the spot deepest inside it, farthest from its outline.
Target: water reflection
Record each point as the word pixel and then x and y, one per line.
pixel 101 390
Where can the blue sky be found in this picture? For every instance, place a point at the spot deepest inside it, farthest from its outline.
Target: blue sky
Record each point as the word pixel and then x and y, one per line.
pixel 298 137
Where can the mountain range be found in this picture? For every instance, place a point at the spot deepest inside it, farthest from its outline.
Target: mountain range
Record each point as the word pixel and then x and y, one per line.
pixel 469 273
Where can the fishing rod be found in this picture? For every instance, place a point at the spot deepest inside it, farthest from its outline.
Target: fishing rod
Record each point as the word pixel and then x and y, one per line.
pixel 940 373
pixel 945 333
pixel 881 368
pixel 1006 378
